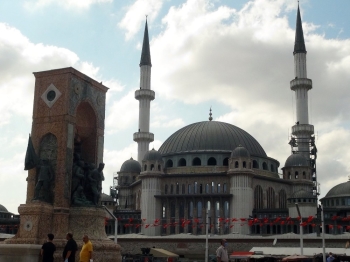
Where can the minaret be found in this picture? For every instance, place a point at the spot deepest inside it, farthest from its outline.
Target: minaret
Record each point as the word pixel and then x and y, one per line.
pixel 145 95
pixel 302 130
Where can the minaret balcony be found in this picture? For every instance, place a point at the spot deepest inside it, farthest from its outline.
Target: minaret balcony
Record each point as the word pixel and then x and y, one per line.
pixel 143 136
pixel 301 83
pixel 302 129
pixel 144 94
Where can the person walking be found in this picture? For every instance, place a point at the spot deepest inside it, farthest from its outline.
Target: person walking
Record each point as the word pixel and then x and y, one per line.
pixel 48 249
pixel 86 250
pixel 330 257
pixel 70 248
pixel 221 252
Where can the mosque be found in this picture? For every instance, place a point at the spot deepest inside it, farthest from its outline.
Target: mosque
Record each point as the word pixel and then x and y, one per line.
pixel 215 174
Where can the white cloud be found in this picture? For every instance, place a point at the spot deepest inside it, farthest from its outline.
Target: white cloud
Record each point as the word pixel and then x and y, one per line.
pixel 135 15
pixel 69 4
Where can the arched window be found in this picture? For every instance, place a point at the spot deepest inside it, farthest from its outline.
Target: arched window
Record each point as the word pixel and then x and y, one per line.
pixel 211 161
pixel 159 167
pixel 182 162
pixel 272 168
pixel 258 197
pixel 183 189
pixel 195 188
pixel 171 189
pixel 196 162
pixel 177 188
pixel 189 189
pixel 199 209
pixel 212 187
pixel 200 189
pixel 166 189
pixel 304 175
pixel 225 162
pixel 219 188
pixel 270 198
pixel 289 175
pixel 145 168
pixel 244 164
pixel 255 164
pixel 265 166
pixel 169 163
pixel 225 188
pixel 236 164
pixel 296 175
pixel 190 209
pixel 282 199
pixel 207 188
pixel 152 167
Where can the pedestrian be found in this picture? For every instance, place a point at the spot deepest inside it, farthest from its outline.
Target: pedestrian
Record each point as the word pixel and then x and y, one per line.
pixel 69 249
pixel 221 252
pixel 48 249
pixel 330 257
pixel 86 250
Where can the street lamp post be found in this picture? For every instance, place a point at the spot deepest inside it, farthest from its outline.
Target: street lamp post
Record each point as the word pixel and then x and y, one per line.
pixel 301 230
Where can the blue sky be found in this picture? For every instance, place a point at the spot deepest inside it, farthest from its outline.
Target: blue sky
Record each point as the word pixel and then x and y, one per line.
pixel 233 56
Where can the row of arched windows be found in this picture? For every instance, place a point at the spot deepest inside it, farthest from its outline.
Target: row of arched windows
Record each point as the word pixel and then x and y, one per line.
pixel 213 162
pixel 296 175
pixel 270 198
pixel 195 162
pixel 195 188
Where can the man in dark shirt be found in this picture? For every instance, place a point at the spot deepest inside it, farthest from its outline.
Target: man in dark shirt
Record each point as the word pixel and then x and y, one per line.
pixel 48 249
pixel 70 249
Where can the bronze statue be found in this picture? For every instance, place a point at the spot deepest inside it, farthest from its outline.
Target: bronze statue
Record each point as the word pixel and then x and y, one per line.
pixel 45 177
pixel 95 178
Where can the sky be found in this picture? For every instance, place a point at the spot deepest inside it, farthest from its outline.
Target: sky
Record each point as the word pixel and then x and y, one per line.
pixel 233 56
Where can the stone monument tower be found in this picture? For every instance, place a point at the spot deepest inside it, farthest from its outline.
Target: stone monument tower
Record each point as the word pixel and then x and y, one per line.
pixel 63 191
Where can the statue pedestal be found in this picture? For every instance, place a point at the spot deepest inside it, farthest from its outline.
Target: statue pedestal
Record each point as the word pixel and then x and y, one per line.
pixel 39 218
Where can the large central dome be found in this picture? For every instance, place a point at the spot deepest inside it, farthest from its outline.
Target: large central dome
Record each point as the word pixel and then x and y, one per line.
pixel 210 136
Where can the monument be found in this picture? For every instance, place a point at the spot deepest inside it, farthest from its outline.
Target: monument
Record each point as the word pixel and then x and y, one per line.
pixel 65 165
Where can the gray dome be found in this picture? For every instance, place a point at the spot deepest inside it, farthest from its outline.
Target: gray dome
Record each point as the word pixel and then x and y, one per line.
pixel 240 151
pixel 131 166
pixel 302 194
pixel 340 190
pixel 3 209
pixel 210 136
pixel 296 160
pixel 152 155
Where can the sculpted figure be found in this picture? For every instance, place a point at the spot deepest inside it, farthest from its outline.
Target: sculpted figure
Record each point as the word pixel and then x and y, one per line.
pixel 77 175
pixel 95 178
pixel 45 177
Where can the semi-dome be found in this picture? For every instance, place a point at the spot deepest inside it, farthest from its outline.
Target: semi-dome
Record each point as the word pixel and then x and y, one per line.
pixel 152 155
pixel 240 151
pixel 131 166
pixel 210 136
pixel 296 160
pixel 339 190
pixel 302 194
pixel 3 209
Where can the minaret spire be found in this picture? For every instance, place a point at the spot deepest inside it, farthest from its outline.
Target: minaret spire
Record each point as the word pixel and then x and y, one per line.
pixel 145 95
pixel 299 45
pixel 302 130
pixel 145 53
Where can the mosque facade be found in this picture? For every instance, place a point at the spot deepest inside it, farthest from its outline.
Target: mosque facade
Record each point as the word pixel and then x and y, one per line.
pixel 215 176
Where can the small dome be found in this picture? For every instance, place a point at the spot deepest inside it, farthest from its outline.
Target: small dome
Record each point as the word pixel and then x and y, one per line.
pixel 340 190
pixel 3 209
pixel 152 155
pixel 240 151
pixel 131 166
pixel 302 194
pixel 296 160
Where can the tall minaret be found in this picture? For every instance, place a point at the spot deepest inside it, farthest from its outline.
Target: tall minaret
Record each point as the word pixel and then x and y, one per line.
pixel 302 130
pixel 145 95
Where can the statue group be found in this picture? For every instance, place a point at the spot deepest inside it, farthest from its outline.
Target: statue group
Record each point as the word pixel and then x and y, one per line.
pixel 86 182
